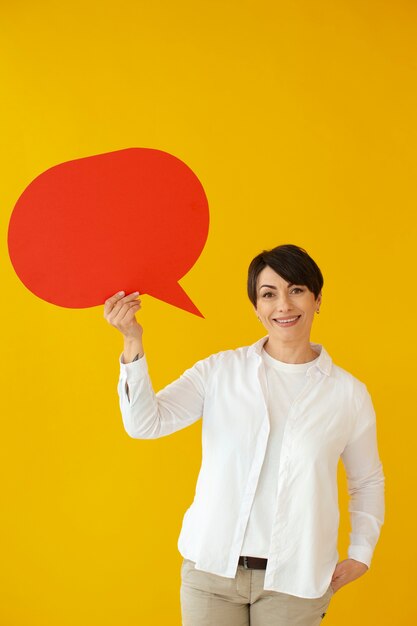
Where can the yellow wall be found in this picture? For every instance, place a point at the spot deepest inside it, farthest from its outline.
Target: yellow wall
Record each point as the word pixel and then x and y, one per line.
pixel 299 118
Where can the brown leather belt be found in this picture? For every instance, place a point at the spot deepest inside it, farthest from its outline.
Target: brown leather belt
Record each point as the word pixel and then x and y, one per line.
pixel 252 562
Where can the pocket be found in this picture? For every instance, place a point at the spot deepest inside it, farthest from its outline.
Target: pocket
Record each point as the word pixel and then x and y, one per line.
pixel 327 599
pixel 186 567
pixel 204 581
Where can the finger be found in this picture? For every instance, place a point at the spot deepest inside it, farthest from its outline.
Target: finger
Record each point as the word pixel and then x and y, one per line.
pixel 125 323
pixel 110 302
pixel 117 301
pixel 126 300
pixel 126 313
pixel 130 296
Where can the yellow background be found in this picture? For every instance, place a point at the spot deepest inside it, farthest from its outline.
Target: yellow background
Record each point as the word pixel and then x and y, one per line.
pixel 299 118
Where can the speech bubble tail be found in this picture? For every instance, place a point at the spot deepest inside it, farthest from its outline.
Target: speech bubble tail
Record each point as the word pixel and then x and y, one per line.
pixel 175 294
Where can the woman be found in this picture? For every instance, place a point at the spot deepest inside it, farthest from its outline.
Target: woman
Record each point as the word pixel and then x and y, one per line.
pixel 260 540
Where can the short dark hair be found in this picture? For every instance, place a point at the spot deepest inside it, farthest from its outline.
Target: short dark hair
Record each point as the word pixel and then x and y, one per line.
pixel 292 263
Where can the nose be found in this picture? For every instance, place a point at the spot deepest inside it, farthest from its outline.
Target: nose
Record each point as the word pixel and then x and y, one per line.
pixel 284 303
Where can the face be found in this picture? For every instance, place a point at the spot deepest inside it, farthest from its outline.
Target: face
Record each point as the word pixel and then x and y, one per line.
pixel 287 311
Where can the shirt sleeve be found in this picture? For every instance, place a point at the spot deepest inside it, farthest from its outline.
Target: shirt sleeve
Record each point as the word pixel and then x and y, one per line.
pixel 365 484
pixel 149 415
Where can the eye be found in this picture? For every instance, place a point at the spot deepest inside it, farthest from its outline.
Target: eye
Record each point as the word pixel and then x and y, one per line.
pixel 297 290
pixel 267 294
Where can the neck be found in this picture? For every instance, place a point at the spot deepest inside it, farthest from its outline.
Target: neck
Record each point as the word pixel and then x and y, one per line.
pixel 290 353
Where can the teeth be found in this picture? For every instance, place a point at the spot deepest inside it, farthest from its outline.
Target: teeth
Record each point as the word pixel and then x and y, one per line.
pixel 287 321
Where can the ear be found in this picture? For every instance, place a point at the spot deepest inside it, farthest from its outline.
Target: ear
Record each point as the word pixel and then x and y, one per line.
pixel 319 299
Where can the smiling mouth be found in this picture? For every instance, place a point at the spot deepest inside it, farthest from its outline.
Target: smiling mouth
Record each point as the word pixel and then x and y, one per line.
pixel 288 321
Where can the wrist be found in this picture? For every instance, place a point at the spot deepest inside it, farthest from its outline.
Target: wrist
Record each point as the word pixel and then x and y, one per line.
pixel 132 347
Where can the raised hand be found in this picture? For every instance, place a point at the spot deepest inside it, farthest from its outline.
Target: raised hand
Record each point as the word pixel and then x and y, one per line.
pixel 120 311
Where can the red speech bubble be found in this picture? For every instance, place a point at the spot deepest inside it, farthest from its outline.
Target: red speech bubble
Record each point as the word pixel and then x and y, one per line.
pixel 135 219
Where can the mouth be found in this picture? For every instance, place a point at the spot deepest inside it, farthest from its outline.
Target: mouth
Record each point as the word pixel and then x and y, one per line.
pixel 285 322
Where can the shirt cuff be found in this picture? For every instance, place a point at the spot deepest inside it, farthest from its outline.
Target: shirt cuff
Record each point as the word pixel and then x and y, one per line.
pixel 360 553
pixel 134 370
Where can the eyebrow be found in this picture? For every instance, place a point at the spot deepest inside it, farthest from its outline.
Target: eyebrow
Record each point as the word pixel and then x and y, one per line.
pixel 272 286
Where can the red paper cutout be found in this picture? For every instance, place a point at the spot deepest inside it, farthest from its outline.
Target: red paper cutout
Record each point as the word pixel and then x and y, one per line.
pixel 132 220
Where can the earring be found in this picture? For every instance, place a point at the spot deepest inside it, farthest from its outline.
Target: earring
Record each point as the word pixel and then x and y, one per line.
pixel 318 311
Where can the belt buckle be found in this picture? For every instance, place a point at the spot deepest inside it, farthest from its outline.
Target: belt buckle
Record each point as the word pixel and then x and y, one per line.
pixel 245 562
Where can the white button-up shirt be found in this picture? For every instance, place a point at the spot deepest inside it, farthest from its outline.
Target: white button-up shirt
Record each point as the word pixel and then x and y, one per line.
pixel 332 417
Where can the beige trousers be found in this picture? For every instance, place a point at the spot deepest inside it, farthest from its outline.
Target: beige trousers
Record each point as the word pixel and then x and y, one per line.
pixel 210 600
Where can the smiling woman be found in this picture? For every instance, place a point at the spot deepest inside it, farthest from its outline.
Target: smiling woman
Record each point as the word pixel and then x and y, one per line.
pixel 284 285
pixel 260 540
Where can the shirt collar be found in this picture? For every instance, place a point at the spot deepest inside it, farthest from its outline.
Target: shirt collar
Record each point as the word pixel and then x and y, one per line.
pixel 324 362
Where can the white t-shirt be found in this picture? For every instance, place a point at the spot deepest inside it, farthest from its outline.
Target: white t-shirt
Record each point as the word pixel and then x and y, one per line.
pixel 285 382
